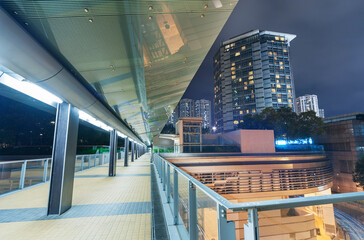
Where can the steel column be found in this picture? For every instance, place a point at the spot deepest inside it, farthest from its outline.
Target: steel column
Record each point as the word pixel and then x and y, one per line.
pixel 45 170
pixel 132 151
pixel 112 153
pixel 126 152
pixel 64 157
pixel 168 183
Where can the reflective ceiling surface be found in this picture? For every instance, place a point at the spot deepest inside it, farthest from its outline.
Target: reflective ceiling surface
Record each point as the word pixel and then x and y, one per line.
pixel 139 56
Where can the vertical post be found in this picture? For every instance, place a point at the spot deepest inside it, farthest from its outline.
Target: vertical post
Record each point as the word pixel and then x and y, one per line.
pixel 82 160
pixel 164 174
pixel 88 161
pixel 251 229
pixel 176 198
pixel 95 160
pixel 22 174
pixel 64 158
pixel 132 151
pixel 126 152
pixel 112 152
pixel 226 230
pixel 192 211
pixel 168 183
pixel 45 170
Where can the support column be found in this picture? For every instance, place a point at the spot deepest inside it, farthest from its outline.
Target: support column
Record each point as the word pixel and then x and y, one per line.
pixel 64 156
pixel 132 151
pixel 112 154
pixel 226 230
pixel 126 152
pixel 251 229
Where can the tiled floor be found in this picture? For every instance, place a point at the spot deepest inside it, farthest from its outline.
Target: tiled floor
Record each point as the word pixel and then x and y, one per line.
pixel 103 207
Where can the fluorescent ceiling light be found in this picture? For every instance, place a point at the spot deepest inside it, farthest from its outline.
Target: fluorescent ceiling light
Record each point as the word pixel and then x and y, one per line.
pixel 30 89
pixel 86 117
pixel 121 135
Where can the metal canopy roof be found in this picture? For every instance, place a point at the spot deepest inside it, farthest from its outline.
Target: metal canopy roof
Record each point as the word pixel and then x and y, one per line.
pixel 138 56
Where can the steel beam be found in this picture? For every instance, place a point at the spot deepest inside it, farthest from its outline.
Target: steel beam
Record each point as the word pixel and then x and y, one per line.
pixel 112 154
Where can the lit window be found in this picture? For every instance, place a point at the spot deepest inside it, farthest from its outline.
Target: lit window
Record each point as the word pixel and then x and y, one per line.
pixel 287 77
pixel 220 75
pixel 276 38
pixel 274 53
pixel 227 46
pixel 233 77
pixel 251 73
pixel 240 79
pixel 290 96
pixel 253 110
pixel 288 86
pixel 236 122
pixel 232 64
pixel 243 48
pixel 277 76
pixel 252 91
pixel 280 63
pixel 282 38
pixel 245 88
pixel 277 81
pixel 233 68
pixel 247 111
pixel 241 121
pixel 289 91
pixel 241 112
pixel 233 72
pixel 278 85
pixel 250 63
pixel 245 83
pixel 237 54
pixel 290 105
pixel 290 100
pixel 275 58
pixel 273 90
pixel 232 45
pixel 279 100
pixel 251 82
pixel 270 53
pixel 253 96
pixel 251 77
pixel 284 50
pixel 281 67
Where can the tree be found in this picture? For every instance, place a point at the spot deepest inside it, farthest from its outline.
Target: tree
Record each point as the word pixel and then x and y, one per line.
pixel 358 175
pixel 285 123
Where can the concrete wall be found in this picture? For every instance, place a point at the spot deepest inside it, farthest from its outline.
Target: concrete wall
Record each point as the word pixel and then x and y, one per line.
pixel 252 141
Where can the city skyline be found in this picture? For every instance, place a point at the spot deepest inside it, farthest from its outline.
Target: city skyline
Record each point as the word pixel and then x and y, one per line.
pixel 319 47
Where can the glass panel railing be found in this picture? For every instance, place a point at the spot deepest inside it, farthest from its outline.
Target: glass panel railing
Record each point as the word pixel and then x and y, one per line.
pixel 10 176
pixel 183 199
pixel 206 216
pixel 34 172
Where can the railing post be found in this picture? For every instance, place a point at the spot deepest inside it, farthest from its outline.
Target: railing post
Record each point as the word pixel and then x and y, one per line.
pixel 82 160
pixel 95 160
pixel 192 211
pixel 226 230
pixel 164 175
pixel 168 183
pixel 22 174
pixel 45 170
pixel 175 197
pixel 88 161
pixel 251 229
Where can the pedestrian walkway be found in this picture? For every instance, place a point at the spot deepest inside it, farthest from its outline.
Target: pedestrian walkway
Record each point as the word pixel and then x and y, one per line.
pixel 103 207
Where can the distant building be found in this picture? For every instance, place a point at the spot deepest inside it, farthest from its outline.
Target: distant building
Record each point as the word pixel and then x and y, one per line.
pixel 192 108
pixel 203 110
pixel 309 103
pixel 251 72
pixel 344 145
pixel 186 108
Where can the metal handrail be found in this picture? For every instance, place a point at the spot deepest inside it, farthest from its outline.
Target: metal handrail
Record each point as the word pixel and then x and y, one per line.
pixel 251 229
pixel 22 161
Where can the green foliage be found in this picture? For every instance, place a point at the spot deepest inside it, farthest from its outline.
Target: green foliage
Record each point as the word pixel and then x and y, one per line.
pixel 285 123
pixel 358 175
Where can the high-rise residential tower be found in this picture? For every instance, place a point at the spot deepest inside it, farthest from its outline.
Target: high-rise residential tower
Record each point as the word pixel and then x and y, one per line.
pixel 307 103
pixel 251 72
pixel 203 109
pixel 186 108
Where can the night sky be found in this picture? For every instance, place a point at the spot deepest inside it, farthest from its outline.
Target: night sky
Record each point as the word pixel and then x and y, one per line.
pixel 326 57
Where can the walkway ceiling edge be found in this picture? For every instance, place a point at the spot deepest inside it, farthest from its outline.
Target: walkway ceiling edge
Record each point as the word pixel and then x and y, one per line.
pixel 20 53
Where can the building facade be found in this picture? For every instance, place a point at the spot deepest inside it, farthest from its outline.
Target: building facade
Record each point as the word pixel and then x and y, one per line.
pixel 344 145
pixel 251 72
pixel 203 110
pixel 309 103
pixel 186 108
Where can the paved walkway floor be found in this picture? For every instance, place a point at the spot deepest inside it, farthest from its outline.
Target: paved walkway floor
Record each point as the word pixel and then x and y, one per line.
pixel 103 207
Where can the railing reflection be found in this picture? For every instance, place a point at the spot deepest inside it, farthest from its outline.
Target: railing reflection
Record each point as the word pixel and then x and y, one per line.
pixel 15 175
